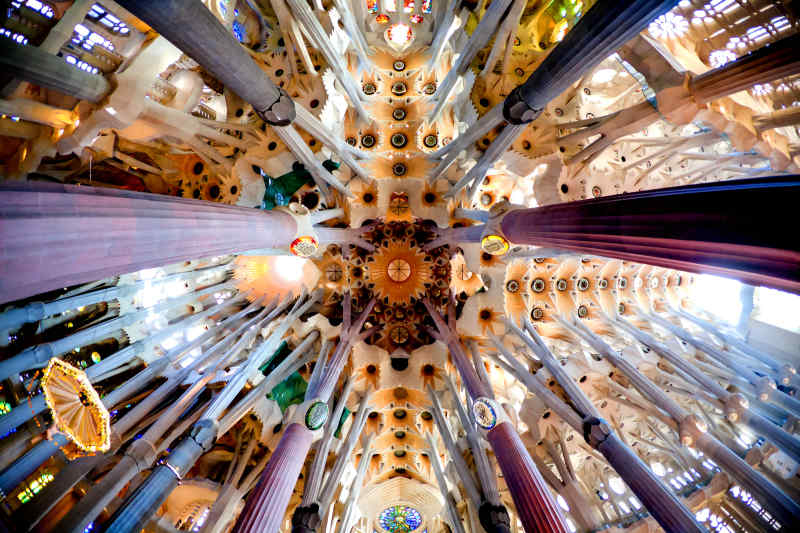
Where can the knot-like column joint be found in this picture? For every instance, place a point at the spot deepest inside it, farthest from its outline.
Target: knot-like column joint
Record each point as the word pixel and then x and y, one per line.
pixel 306 519
pixel 690 429
pixel 517 111
pixel 735 407
pixel 280 113
pixel 493 518
pixel 204 433
pixel 764 387
pixel 787 372
pixel 595 430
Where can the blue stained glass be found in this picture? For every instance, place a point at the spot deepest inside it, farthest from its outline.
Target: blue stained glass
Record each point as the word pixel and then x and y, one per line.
pixel 400 519
pixel 239 31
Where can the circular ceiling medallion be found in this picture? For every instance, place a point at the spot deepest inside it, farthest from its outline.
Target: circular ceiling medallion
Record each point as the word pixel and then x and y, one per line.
pixel 485 415
pixel 316 415
pixel 304 246
pixel 400 519
pixel 494 244
pixel 398 270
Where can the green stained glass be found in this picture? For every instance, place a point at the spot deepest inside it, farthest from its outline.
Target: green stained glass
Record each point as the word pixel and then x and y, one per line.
pixel 290 391
pixel 280 190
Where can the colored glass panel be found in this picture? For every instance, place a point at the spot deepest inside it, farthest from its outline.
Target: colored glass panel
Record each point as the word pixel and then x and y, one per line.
pixel 400 33
pixel 400 519
pixel 372 6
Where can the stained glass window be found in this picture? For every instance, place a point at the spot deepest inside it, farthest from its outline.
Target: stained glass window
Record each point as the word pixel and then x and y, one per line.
pixel 400 519
pixel 400 34
pixel 426 6
pixel 239 31
pixel 36 485
pixel 408 6
pixel 101 15
pixel 372 6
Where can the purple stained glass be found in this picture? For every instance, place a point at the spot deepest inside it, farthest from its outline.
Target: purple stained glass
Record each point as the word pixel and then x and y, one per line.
pixel 400 519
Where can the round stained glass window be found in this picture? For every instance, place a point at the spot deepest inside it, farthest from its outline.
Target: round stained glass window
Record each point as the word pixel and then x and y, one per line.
pixel 400 519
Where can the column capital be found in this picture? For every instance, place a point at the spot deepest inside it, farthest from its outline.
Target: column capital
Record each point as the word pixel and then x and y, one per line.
pixel 281 112
pixel 595 431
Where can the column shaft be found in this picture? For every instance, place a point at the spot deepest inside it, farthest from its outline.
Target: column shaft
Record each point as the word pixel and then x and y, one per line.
pixel 140 506
pixel 22 413
pixel 266 505
pixel 199 34
pixel 535 504
pixel 771 497
pixel 29 462
pixel 55 236
pixel 698 228
pixel 36 66
pixel 778 60
pixel 663 504
pixel 604 28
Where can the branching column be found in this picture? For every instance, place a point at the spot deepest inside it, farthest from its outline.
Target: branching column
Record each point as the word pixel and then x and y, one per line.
pixel 660 501
pixel 693 432
pixel 54 236
pixel 265 507
pixel 201 36
pixel 143 503
pixel 535 505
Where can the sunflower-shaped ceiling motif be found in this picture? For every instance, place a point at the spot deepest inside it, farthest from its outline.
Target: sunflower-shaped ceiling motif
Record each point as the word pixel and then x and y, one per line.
pixel 400 273
pixel 76 407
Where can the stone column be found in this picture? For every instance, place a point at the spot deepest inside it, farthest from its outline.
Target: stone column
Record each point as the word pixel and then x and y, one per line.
pixel 266 506
pixel 736 407
pixel 535 504
pixel 15 317
pixel 39 355
pixel 524 481
pixel 777 119
pixel 39 67
pixel 55 236
pixel 143 451
pixel 659 500
pixel 777 60
pixel 262 512
pixel 199 34
pixel 25 465
pixel 697 228
pixel 693 432
pixel 785 373
pixel 604 28
pixel 140 506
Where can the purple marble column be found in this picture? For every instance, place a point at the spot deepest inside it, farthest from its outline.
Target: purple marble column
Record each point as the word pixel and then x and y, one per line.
pixel 54 236
pixel 266 505
pixel 697 228
pixel 535 505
